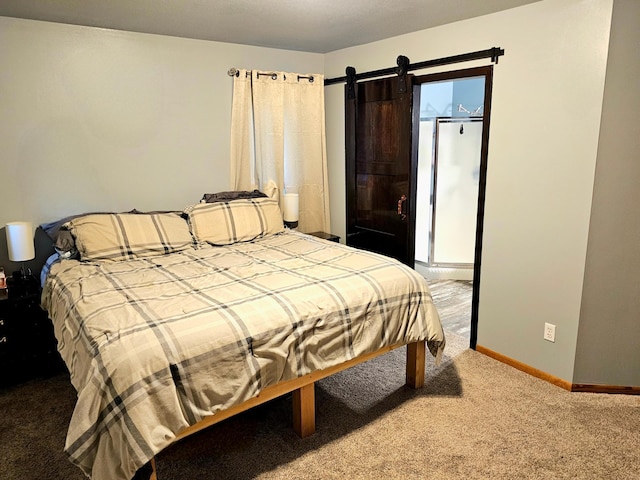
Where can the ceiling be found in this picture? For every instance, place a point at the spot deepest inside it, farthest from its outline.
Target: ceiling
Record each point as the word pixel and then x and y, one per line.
pixel 319 26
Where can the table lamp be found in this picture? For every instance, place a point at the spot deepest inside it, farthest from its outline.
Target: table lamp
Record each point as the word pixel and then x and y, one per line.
pixel 291 210
pixel 20 244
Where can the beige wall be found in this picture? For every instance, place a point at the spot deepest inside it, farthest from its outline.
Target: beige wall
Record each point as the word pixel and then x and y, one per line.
pixel 96 119
pixel 609 335
pixel 547 100
pixel 102 119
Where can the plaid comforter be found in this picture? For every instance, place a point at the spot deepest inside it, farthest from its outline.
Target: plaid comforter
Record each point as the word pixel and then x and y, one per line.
pixel 155 345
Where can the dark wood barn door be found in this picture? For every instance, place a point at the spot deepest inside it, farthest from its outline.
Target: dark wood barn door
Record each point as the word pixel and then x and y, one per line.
pixel 378 161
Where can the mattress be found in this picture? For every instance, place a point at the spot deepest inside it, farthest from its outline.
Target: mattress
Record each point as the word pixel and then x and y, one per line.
pixel 154 345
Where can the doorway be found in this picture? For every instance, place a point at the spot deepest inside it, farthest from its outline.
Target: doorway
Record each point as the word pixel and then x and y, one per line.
pixel 382 138
pixel 451 128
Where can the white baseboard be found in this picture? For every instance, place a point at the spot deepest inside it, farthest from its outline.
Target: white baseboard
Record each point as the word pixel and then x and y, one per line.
pixel 442 273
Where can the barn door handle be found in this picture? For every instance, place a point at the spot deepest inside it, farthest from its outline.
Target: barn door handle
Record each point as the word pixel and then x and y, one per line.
pixel 401 202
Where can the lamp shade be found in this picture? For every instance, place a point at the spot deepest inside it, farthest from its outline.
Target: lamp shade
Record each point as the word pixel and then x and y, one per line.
pixel 291 209
pixel 20 241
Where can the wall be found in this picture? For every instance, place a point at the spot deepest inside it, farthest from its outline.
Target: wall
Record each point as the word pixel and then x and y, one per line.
pixel 436 99
pixel 100 119
pixel 469 93
pixel 96 119
pixel 609 335
pixel 547 101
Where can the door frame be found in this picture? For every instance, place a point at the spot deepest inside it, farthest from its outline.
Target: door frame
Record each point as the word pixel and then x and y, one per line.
pixel 487 72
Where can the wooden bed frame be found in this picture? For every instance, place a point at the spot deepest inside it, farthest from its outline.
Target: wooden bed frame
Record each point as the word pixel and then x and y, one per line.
pixel 304 420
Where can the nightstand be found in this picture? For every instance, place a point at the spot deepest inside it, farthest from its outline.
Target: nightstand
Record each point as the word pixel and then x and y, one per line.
pixel 327 236
pixel 27 344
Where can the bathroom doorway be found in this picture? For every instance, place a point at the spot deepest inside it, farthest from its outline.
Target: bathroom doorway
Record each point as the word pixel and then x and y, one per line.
pixel 451 152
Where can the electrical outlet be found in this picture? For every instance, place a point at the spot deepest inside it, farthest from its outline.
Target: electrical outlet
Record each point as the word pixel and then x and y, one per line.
pixel 549 332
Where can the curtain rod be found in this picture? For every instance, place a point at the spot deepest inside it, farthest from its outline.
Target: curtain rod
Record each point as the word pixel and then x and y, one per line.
pixel 492 53
pixel 234 72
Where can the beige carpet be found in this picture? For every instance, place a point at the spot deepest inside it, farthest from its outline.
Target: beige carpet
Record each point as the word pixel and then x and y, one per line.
pixel 476 418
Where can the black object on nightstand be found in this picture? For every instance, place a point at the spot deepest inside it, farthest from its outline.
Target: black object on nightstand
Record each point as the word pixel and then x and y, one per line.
pixel 327 236
pixel 27 344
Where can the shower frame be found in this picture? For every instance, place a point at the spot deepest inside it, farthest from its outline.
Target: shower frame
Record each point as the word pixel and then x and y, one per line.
pixel 434 197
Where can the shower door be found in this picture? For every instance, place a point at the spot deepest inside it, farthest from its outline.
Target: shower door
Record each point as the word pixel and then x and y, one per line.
pixel 458 145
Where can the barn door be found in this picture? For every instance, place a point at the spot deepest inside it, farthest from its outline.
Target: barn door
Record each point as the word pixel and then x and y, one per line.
pixel 378 161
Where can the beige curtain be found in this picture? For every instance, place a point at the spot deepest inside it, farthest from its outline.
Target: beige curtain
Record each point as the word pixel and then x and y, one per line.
pixel 278 140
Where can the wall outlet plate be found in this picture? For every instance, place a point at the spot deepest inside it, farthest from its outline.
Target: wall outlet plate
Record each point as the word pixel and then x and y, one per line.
pixel 549 332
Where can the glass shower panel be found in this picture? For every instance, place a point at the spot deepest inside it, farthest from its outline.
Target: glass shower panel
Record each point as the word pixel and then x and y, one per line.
pixel 458 148
pixel 423 192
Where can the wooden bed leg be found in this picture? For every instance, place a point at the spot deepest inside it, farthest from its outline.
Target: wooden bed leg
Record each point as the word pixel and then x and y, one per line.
pixel 154 472
pixel 304 410
pixel 415 364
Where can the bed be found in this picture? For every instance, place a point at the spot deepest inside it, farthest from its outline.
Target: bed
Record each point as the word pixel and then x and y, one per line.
pixel 169 323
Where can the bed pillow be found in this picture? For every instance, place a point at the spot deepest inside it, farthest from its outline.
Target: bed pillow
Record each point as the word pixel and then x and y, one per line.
pixel 63 241
pixel 125 236
pixel 224 223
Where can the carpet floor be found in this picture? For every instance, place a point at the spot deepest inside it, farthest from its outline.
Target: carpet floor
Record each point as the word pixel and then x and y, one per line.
pixel 475 419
